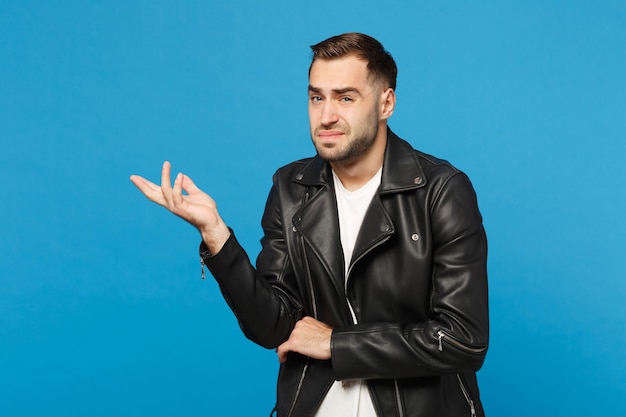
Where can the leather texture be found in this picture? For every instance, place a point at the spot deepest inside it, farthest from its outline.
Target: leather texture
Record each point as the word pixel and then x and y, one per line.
pixel 417 283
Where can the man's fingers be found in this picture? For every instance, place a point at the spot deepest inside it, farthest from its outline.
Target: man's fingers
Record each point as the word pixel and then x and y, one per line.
pixel 282 352
pixel 189 186
pixel 166 183
pixel 177 191
pixel 186 201
pixel 309 337
pixel 139 182
pixel 148 188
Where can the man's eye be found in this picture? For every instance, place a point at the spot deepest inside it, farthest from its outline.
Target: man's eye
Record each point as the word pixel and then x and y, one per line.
pixel 315 98
pixel 346 99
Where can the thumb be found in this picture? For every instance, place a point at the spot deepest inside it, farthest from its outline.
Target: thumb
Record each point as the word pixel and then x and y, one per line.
pixel 282 352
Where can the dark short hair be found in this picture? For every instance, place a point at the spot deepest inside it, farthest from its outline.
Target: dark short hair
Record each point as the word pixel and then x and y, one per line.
pixel 380 63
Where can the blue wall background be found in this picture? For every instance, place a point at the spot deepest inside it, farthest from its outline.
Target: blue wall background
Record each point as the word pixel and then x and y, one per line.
pixel 102 309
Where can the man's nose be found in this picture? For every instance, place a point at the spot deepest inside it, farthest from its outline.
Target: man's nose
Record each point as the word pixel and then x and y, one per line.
pixel 329 114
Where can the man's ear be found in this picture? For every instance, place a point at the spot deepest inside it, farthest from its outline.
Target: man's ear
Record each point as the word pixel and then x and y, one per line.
pixel 387 103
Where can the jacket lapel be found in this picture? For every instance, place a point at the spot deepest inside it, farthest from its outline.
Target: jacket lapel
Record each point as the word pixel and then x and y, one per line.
pixel 376 227
pixel 318 222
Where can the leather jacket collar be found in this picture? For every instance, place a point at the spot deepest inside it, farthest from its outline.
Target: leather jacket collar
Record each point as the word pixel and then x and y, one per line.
pixel 405 173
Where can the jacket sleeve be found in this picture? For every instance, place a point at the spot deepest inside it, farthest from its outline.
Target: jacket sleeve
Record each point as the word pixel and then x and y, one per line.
pixel 261 299
pixel 454 337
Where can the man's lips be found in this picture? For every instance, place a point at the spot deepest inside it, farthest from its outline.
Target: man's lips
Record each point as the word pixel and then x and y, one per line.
pixel 329 134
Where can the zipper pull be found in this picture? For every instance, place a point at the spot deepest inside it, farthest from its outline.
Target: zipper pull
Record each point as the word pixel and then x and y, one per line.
pixel 202 267
pixel 441 335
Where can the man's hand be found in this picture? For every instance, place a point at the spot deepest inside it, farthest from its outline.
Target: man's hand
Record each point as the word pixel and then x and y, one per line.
pixel 309 337
pixel 196 207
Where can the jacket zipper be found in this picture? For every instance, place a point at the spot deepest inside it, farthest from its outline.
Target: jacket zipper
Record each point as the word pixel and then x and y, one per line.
pixel 441 335
pixel 295 398
pixel 469 400
pixel 305 199
pixel 398 398
pixel 350 309
pixel 386 238
pixel 314 312
pixel 202 274
pixel 351 313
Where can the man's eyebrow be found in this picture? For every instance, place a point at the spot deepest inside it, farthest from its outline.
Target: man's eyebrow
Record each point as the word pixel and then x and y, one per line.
pixel 345 90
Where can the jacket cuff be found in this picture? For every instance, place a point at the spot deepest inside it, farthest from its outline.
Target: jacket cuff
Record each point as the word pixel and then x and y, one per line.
pixel 221 263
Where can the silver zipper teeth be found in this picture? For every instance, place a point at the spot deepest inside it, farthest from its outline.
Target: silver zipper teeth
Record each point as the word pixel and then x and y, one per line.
pixel 295 398
pixel 305 200
pixel 365 253
pixel 469 400
pixel 442 335
pixel 398 398
pixel 386 238
pixel 350 308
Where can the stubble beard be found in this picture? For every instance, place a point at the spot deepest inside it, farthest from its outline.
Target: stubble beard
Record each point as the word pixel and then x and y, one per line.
pixel 353 147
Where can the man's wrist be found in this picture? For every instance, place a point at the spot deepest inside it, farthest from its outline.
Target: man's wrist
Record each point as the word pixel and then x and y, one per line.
pixel 215 239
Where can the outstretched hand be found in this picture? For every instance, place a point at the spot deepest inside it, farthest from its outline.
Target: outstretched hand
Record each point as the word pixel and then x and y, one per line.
pixel 309 337
pixel 196 207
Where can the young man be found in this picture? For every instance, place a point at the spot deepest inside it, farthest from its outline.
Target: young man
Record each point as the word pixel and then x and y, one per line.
pixel 371 283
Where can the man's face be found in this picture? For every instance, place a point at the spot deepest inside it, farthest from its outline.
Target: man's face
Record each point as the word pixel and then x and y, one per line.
pixel 343 108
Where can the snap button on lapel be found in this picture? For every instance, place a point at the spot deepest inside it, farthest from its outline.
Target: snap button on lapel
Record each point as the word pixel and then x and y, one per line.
pixel 415 237
pixel 417 180
pixel 299 176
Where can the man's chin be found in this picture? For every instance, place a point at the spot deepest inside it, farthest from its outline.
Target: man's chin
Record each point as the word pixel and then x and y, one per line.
pixel 333 156
pixel 326 151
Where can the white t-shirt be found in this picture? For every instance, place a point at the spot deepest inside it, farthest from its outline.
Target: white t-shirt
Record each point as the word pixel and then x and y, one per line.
pixel 350 398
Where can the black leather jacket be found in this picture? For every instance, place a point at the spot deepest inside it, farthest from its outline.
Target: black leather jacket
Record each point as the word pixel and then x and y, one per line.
pixel 417 283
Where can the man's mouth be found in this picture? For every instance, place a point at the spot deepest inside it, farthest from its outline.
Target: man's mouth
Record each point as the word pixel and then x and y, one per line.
pixel 329 134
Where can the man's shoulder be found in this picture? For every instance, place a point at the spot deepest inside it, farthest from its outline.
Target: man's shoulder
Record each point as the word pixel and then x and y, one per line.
pixel 430 164
pixel 293 169
pixel 307 171
pixel 296 165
